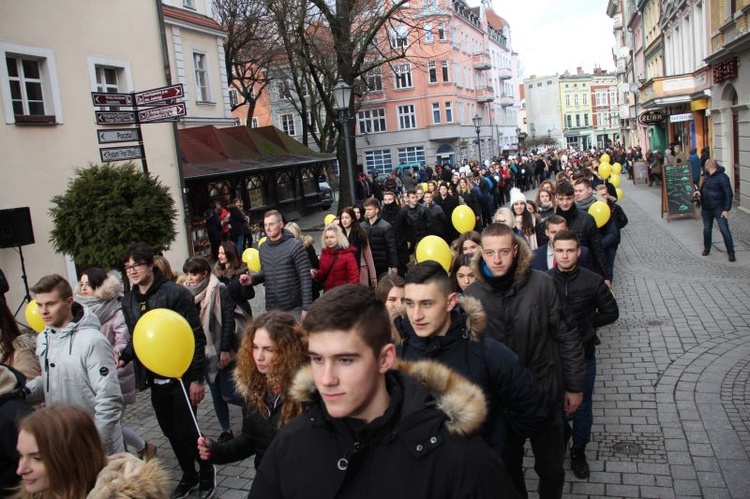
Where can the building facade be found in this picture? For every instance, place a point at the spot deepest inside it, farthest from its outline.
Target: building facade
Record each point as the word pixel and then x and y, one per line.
pixel 543 108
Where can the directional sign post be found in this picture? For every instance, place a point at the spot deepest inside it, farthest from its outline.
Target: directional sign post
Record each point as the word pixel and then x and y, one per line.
pixel 162 113
pixel 107 99
pixel 115 118
pixel 159 94
pixel 121 153
pixel 114 135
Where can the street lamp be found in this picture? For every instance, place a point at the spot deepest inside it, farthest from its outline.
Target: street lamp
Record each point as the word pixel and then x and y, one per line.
pixel 342 94
pixel 518 139
pixel 477 128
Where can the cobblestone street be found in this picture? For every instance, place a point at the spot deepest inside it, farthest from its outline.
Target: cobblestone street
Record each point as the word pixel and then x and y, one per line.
pixel 672 397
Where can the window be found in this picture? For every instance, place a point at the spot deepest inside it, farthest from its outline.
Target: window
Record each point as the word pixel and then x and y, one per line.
pixel 312 124
pixel 436 113
pixel 460 112
pixel 309 181
pixel 457 72
pixel 374 80
pixel 403 76
pixel 106 79
pixel 432 71
pixel 428 36
pixel 189 4
pixel 255 122
pixel 284 186
pixel 407 117
pixel 449 112
pixel 576 100
pixel 233 97
pixel 25 79
pixel 287 124
pixel 578 120
pixel 446 74
pixel 569 121
pixel 256 194
pixel 586 119
pixel 28 84
pixel 567 99
pixel 441 31
pixel 201 77
pixel 399 37
pixel 585 99
pixel 379 160
pixel 371 120
pixel 411 154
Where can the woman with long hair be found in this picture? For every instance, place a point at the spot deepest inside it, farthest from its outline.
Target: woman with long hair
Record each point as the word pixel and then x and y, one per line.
pixel 337 263
pixel 61 456
pixel 272 351
pixel 462 274
pixel 471 197
pixel 228 269
pixel 390 290
pixel 525 221
pixel 467 243
pixel 358 238
pixel 102 294
pixel 216 311
pixel 17 349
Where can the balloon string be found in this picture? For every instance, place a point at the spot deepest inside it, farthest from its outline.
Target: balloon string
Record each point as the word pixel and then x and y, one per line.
pixel 190 408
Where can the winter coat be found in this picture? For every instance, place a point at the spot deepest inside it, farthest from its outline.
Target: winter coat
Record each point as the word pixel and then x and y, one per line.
pixel 382 238
pixel 422 446
pixel 440 225
pixel 716 192
pixel 531 319
pixel 78 368
pixel 127 477
pixel 418 224
pixel 585 204
pixel 695 167
pixel 610 233
pixel 238 222
pixel 164 293
pixel 13 408
pixel 258 428
pixel 285 268
pixel 584 226
pixel 590 302
pixel 337 267
pixel 240 295
pixel 24 356
pixel 539 259
pixel 113 327
pixel 515 403
pixel 396 216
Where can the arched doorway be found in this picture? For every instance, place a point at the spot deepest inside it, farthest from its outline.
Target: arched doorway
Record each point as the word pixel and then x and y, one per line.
pixel 446 153
pixel 730 100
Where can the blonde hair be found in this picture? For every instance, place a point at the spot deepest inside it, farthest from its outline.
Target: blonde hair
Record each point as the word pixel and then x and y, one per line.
pixel 341 239
pixel 294 229
pixel 510 217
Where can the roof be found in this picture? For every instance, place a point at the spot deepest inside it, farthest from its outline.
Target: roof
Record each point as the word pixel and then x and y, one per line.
pixel 191 18
pixel 208 151
pixel 495 21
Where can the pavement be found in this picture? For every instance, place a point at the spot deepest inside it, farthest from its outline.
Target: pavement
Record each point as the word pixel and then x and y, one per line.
pixel 672 395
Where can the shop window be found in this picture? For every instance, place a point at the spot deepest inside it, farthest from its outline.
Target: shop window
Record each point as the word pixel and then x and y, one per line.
pixel 256 193
pixel 284 187
pixel 309 182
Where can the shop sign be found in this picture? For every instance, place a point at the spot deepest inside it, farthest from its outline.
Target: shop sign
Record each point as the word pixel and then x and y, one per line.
pixel 677 118
pixel 651 117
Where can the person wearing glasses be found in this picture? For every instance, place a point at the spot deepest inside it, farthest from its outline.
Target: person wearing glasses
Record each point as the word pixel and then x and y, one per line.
pixel 151 290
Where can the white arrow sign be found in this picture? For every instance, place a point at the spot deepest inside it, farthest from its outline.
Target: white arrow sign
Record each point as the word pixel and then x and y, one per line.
pixel 121 153
pixel 118 135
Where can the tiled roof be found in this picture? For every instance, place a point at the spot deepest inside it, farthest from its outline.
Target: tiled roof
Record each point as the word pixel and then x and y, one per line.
pixel 495 21
pixel 191 17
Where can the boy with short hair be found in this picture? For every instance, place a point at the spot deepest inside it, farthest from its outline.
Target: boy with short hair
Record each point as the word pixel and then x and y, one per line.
pixel 373 431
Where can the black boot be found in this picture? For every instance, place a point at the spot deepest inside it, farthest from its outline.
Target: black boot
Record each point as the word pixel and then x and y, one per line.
pixel 578 463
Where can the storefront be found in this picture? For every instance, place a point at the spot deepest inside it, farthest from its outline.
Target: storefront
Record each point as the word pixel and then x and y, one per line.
pixel 263 167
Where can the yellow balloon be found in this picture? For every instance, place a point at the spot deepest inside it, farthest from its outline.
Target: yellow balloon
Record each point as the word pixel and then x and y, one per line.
pixel 164 342
pixel 251 257
pixel 463 219
pixel 328 220
pixel 34 317
pixel 601 213
pixel 261 240
pixel 617 168
pixel 605 170
pixel 615 180
pixel 604 158
pixel 436 249
pixel 619 193
pixel 425 187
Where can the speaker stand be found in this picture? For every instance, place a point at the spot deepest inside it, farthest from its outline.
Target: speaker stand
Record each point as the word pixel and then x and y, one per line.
pixel 27 296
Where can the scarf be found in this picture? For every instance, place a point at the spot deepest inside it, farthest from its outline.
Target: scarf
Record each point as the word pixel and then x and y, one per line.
pixel 503 283
pixel 206 295
pixel 103 309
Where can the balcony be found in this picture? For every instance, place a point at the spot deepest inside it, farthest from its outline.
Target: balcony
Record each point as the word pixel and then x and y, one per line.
pixel 506 100
pixel 447 132
pixel 482 61
pixel 504 73
pixel 485 94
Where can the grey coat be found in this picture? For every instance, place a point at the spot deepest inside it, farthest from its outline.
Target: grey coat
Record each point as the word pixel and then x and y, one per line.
pixel 285 269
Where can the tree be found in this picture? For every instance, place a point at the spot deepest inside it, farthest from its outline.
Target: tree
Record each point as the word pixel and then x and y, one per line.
pixel 107 207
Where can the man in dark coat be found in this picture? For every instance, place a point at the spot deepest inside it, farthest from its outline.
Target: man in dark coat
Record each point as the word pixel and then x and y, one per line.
pixel 395 215
pixel 382 239
pixel 151 290
pixel 584 227
pixel 440 224
pixel 592 305
pixel 437 325
pixel 716 195
pixel 13 407
pixel 544 256
pixel 419 221
pixel 525 311
pixel 372 429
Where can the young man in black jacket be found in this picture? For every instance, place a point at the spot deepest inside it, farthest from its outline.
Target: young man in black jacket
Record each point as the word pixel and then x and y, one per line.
pixel 592 305
pixel 437 325
pixel 382 238
pixel 372 428
pixel 151 290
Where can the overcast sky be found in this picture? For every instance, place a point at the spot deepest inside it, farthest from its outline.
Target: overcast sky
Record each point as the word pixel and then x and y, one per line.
pixel 551 36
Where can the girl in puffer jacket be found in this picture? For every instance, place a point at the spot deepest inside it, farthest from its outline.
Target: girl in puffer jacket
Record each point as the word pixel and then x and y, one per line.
pixel 337 262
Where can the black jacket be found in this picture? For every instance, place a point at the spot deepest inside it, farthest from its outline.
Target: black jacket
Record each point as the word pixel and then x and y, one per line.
pixel 419 222
pixel 382 244
pixel 515 401
pixel 584 226
pixel 419 448
pixel 396 216
pixel 164 293
pixel 590 303
pixel 241 295
pixel 716 191
pixel 531 319
pixel 13 408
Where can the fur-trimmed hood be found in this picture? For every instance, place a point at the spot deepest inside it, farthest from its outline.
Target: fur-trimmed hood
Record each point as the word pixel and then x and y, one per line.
pixel 523 262
pixel 469 310
pixel 127 477
pixel 110 289
pixel 461 401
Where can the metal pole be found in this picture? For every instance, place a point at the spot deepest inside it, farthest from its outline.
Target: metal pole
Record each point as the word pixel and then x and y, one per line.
pixel 479 146
pixel 349 168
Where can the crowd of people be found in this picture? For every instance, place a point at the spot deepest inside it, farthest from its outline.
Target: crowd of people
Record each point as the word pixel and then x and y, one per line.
pixel 368 371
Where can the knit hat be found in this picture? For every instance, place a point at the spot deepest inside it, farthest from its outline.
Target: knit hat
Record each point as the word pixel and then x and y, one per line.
pixel 516 196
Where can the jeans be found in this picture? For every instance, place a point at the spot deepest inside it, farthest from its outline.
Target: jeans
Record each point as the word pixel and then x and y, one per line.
pixel 549 456
pixel 584 416
pixel 223 393
pixel 240 243
pixel 708 225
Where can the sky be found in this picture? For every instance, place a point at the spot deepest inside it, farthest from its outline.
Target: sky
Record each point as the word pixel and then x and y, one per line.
pixel 551 36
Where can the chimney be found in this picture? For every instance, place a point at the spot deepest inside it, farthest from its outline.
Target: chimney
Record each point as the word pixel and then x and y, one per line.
pixel 579 71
